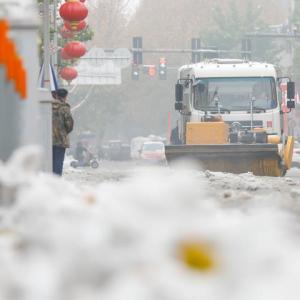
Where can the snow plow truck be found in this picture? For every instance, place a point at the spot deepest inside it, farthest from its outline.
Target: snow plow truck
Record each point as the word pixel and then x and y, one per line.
pixel 231 117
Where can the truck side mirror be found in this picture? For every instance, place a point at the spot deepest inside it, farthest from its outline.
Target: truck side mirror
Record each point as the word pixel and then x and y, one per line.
pixel 290 90
pixel 290 104
pixel 178 106
pixel 179 92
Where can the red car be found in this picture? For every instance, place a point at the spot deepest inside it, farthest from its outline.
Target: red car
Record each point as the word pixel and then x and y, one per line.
pixel 153 152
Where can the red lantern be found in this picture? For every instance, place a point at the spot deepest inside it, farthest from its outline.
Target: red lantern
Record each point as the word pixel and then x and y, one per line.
pixel 65 33
pixel 75 49
pixel 64 55
pixel 68 73
pixel 73 12
pixel 79 27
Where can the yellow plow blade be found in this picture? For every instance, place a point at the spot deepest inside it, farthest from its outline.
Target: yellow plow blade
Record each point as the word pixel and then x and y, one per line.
pixel 260 159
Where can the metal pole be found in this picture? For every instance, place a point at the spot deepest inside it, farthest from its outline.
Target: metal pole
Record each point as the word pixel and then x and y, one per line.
pixel 46 44
pixel 45 96
pixel 169 128
pixel 184 51
pixel 251 111
pixel 54 58
pixel 273 35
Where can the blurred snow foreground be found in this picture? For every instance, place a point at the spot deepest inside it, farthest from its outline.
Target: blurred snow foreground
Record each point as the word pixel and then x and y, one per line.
pixel 157 235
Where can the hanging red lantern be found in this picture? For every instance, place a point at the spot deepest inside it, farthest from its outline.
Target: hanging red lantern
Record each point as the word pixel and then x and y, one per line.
pixel 68 73
pixel 80 26
pixel 73 12
pixel 75 49
pixel 64 55
pixel 65 33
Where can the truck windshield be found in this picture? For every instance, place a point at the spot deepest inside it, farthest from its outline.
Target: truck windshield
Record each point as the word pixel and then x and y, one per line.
pixel 235 93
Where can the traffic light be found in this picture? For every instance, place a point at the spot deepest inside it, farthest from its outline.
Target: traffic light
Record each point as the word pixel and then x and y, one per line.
pixel 135 72
pixel 162 68
pixel 137 51
pixel 151 70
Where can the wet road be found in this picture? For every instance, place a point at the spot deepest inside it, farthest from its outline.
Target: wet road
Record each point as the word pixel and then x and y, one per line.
pixel 229 189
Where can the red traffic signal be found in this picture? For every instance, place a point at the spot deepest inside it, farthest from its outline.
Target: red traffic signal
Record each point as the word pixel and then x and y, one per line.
pixel 152 70
pixel 162 61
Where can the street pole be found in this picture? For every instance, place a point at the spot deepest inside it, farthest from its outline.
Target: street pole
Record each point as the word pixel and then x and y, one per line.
pixel 55 46
pixel 46 42
pixel 44 94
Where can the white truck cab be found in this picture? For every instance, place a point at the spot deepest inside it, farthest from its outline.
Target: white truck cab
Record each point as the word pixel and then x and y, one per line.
pixel 240 91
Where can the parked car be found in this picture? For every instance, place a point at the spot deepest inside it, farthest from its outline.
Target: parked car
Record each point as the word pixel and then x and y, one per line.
pixel 153 152
pixel 137 144
pixel 115 150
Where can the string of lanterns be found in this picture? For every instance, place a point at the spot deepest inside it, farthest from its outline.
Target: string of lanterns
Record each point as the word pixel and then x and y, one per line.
pixel 73 12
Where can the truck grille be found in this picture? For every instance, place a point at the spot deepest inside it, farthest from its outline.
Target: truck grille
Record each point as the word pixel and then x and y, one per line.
pixel 247 124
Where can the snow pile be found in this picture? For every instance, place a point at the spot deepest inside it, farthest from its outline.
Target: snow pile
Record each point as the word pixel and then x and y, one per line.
pixel 122 240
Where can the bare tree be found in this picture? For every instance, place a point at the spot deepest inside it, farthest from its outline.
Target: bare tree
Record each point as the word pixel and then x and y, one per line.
pixel 108 19
pixel 172 23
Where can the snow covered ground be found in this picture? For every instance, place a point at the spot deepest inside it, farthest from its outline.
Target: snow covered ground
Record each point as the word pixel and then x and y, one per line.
pixel 120 232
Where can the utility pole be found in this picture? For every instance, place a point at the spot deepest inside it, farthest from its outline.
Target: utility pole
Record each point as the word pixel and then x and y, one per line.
pixel 55 46
pixel 291 7
pixel 46 43
pixel 44 94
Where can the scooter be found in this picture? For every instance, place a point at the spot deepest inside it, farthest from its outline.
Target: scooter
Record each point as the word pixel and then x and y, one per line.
pixel 93 163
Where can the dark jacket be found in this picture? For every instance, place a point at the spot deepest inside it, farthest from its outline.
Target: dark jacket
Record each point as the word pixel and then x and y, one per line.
pixel 62 123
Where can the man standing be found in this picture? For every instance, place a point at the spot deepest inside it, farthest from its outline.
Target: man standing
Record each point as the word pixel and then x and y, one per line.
pixel 62 125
